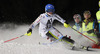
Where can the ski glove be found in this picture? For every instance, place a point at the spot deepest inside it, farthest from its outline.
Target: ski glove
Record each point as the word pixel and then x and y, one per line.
pixel 29 32
pixel 90 31
pixel 66 25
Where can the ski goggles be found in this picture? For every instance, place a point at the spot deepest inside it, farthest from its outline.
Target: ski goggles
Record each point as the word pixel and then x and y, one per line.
pixel 50 10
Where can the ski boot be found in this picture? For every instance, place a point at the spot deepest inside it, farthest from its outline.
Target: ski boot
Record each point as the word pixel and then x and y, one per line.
pixel 68 39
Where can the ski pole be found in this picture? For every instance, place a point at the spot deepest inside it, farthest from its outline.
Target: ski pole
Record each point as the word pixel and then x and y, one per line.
pixel 83 35
pixel 13 39
pixel 17 37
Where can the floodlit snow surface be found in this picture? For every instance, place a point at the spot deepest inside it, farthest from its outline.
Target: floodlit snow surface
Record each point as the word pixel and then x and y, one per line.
pixel 30 44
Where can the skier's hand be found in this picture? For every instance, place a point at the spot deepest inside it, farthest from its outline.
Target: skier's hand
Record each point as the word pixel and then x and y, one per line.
pixel 66 25
pixel 29 32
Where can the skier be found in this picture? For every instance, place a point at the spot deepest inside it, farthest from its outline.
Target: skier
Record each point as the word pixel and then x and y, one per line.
pixel 88 28
pixel 45 21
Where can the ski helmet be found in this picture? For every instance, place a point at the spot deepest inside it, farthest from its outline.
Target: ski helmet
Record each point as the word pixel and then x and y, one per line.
pixel 77 16
pixel 49 8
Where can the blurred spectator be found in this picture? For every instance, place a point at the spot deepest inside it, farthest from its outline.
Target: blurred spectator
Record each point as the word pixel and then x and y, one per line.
pixel 98 25
pixel 78 24
pixel 88 27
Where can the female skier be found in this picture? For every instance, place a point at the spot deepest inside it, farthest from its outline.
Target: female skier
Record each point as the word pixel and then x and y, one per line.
pixel 45 21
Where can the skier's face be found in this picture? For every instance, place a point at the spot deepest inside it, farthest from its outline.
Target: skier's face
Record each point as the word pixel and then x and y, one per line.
pixel 86 16
pixel 77 20
pixel 50 13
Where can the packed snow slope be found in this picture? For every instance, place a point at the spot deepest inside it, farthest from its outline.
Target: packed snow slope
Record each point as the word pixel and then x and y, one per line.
pixel 30 44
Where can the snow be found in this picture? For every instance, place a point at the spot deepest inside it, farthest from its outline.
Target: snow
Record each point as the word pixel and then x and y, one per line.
pixel 30 44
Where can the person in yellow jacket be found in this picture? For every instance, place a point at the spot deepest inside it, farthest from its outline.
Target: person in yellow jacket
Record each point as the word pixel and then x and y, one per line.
pixel 88 27
pixel 78 24
pixel 98 27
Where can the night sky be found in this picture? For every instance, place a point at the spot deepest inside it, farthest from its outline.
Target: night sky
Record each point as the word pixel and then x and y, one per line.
pixel 26 11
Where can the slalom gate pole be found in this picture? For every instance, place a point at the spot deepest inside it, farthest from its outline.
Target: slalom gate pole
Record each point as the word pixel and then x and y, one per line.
pixel 13 39
pixel 83 35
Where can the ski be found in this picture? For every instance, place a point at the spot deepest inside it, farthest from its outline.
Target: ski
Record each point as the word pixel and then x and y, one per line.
pixel 68 41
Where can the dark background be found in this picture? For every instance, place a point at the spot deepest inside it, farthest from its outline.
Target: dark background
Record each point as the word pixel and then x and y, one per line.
pixel 26 11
